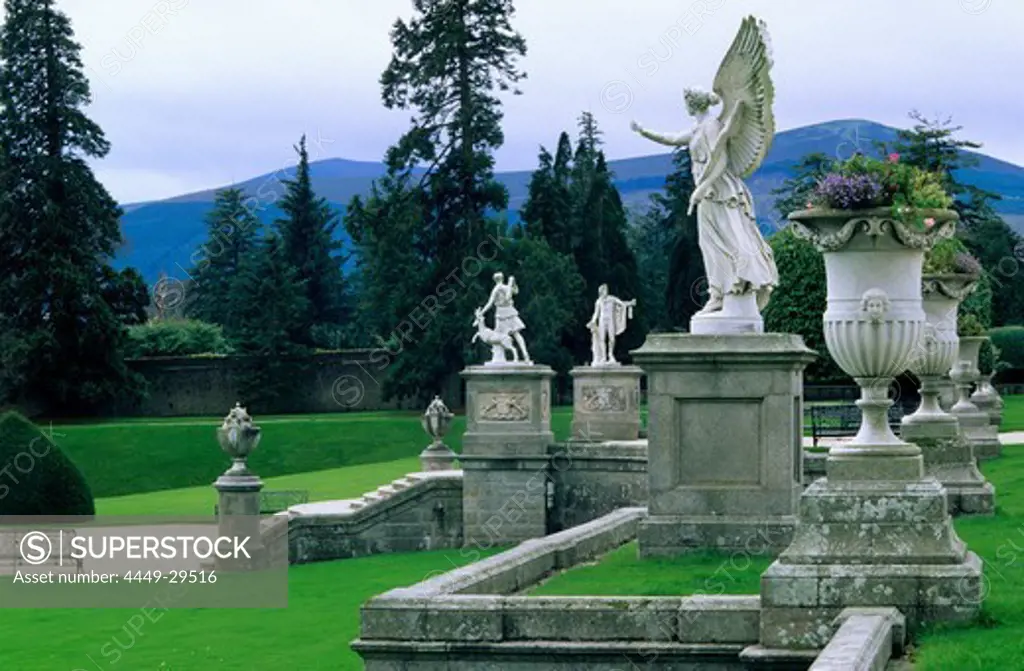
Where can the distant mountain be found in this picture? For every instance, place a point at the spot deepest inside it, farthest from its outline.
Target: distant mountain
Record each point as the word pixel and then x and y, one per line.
pixel 162 236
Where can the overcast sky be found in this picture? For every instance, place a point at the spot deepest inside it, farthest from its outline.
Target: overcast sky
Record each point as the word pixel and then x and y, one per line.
pixel 197 94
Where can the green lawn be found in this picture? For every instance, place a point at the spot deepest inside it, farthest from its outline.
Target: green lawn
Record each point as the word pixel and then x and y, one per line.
pixel 335 483
pixel 312 633
pixel 134 457
pixel 622 573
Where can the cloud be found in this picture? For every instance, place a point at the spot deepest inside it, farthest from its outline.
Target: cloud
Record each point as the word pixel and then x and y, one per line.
pixel 198 94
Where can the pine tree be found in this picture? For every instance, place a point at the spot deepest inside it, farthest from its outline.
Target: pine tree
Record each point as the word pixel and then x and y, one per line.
pixel 270 302
pixel 450 62
pixel 307 233
pixel 233 232
pixel 59 228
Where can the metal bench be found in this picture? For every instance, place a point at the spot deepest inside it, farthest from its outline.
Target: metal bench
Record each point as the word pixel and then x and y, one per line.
pixel 833 421
pixel 277 501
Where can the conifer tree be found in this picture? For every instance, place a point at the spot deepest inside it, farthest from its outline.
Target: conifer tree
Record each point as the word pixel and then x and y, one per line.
pixel 307 233
pixel 233 237
pixel 59 227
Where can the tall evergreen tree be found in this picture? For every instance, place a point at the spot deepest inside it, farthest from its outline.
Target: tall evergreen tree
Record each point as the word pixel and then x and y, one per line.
pixel 547 212
pixel 233 237
pixel 59 228
pixel 450 62
pixel 270 301
pixel 307 233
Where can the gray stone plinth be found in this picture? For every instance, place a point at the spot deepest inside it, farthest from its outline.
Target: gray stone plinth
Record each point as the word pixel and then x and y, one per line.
pixel 238 516
pixel 505 453
pixel 606 402
pixel 949 458
pixel 868 544
pixel 977 427
pixel 725 440
pixel 437 458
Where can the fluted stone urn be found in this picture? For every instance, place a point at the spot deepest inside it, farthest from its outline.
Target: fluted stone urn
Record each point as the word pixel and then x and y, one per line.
pixel 986 395
pixel 874 323
pixel 436 421
pixel 948 455
pixel 875 531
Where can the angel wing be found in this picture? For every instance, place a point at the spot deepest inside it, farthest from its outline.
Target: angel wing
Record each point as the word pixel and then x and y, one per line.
pixel 744 85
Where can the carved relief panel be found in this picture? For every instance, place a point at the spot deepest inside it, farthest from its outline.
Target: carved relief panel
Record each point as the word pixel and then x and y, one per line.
pixel 506 406
pixel 604 398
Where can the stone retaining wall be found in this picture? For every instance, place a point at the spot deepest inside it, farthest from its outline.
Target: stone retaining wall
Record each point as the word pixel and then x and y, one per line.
pixel 421 512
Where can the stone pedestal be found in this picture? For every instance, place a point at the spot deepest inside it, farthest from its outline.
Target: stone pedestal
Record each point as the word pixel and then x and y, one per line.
pixel 437 458
pixel 725 440
pixel 975 425
pixel 986 400
pixel 949 458
pixel 594 479
pixel 238 516
pixel 605 402
pixel 505 453
pixel 739 315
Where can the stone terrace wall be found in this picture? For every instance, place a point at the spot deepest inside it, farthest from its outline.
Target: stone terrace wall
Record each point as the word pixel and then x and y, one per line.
pixel 338 382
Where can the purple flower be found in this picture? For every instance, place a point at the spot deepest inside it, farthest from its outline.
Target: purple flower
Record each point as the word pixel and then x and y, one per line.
pixel 848 192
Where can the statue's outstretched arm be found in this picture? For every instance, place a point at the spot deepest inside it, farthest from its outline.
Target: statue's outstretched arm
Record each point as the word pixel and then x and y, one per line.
pixel 490 301
pixel 670 139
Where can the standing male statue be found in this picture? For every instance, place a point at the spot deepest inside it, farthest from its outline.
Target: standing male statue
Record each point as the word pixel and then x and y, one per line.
pixel 506 317
pixel 608 321
pixel 740 267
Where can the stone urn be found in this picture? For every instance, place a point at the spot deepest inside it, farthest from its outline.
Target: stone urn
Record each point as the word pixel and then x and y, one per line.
pixel 874 323
pixel 436 421
pixel 937 351
pixel 970 349
pixel 238 437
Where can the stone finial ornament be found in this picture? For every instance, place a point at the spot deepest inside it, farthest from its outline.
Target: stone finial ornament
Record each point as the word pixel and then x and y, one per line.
pixel 238 437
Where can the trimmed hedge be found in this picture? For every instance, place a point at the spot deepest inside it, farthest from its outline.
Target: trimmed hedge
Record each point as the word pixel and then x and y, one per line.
pixel 36 477
pixel 175 337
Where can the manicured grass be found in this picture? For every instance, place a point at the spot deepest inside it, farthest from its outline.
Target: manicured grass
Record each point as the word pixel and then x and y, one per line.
pixel 120 458
pixel 312 633
pixel 622 573
pixel 999 642
pixel 335 483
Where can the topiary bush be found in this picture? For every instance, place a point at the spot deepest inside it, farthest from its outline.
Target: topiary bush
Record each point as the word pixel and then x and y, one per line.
pixel 175 337
pixel 1009 342
pixel 36 477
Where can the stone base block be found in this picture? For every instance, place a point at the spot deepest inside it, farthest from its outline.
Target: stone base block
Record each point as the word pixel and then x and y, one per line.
pixel 606 402
pixel 800 602
pixel 950 460
pixel 874 523
pixel 978 429
pixel 666 536
pixel 987 449
pixel 503 501
pixel 437 458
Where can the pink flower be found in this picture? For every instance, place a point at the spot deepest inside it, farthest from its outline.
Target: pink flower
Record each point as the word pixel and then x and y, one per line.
pixel 929 222
pixel 809 206
pixel 894 157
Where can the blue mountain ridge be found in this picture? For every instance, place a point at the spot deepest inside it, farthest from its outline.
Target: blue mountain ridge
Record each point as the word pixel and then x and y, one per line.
pixel 164 236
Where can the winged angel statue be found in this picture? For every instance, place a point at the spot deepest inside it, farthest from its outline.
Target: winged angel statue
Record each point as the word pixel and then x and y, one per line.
pixel 724 151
